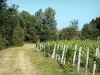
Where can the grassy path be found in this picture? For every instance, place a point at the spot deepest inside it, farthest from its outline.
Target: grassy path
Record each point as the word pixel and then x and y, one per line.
pixel 14 61
pixel 44 64
pixel 27 60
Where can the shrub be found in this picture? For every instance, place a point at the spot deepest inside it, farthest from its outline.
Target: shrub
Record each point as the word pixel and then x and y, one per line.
pixel 3 42
pixel 18 36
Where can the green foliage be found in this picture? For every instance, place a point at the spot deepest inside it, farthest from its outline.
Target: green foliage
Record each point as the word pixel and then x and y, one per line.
pixel 70 32
pixel 91 30
pixel 74 24
pixel 27 23
pixel 49 25
pixel 97 22
pixel 92 45
pixel 97 59
pixel 41 26
pixel 18 36
pixel 67 34
pixel 8 20
pixel 3 42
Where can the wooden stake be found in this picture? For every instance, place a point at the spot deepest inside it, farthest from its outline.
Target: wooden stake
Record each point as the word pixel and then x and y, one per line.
pixel 79 59
pixel 63 54
pixel 53 54
pixel 94 67
pixel 74 55
pixel 87 57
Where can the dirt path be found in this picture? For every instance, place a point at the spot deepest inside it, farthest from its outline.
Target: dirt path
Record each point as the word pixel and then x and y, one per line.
pixel 25 66
pixel 4 62
pixel 14 61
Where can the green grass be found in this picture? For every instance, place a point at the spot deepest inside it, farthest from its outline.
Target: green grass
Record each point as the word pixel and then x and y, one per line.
pixel 44 64
pixel 47 66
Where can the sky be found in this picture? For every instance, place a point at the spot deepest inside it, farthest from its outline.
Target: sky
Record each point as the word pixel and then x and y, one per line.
pixel 66 10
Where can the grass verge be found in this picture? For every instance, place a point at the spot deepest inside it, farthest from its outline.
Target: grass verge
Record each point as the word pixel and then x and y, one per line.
pixel 47 66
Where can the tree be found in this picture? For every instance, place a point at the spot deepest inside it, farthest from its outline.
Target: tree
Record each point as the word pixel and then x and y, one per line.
pixel 74 24
pixel 3 11
pixel 67 33
pixel 3 42
pixel 28 24
pixel 12 21
pixel 85 31
pixel 49 25
pixel 70 32
pixel 39 24
pixel 97 22
pixel 18 36
pixel 91 30
pixel 8 20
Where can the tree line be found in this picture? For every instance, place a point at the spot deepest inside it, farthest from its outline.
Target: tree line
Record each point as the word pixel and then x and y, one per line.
pixel 19 27
pixel 89 31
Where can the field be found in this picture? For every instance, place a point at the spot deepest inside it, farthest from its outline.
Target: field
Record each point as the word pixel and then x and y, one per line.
pixel 28 60
pixel 45 37
pixel 75 55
